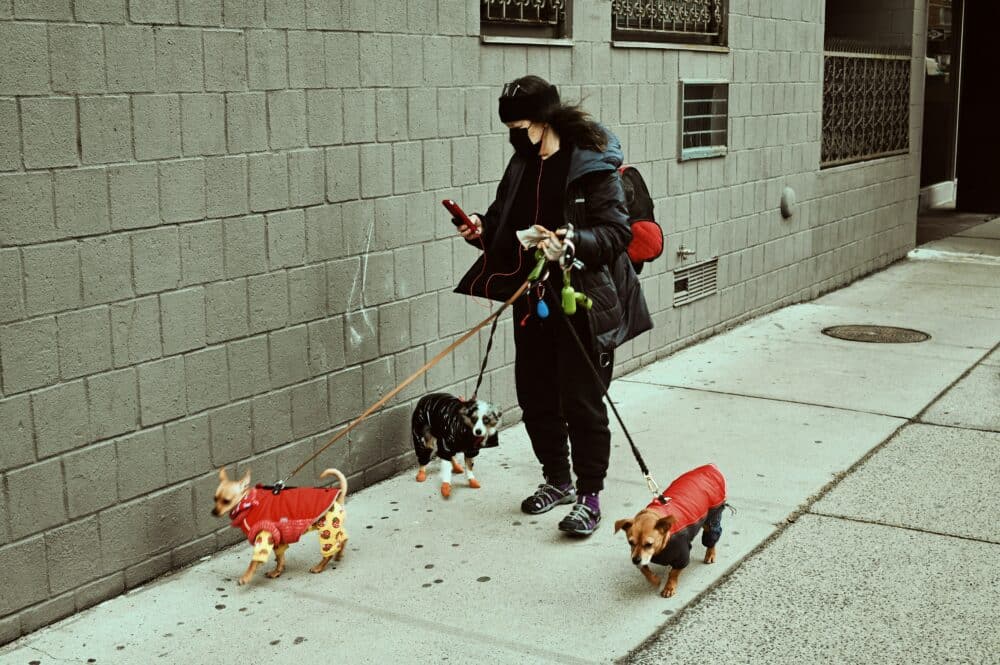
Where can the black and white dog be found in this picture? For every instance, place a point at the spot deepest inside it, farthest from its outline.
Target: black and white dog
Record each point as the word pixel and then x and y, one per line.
pixel 446 425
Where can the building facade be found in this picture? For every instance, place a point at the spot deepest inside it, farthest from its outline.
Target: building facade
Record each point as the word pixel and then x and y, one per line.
pixel 221 238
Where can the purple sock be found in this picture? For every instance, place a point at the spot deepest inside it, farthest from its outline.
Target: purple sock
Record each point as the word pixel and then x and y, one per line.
pixel 565 488
pixel 591 501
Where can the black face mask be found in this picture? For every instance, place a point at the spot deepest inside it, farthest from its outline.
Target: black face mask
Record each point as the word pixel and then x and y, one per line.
pixel 522 144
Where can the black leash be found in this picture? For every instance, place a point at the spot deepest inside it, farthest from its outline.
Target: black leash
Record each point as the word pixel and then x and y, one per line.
pixel 486 359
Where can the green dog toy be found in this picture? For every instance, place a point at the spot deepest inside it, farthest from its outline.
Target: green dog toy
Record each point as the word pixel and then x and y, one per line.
pixel 570 297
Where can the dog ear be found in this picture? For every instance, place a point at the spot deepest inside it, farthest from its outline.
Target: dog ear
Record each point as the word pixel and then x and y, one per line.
pixel 664 523
pixel 622 524
pixel 223 476
pixel 245 480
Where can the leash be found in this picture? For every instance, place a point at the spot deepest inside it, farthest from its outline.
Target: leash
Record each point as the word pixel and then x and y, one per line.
pixel 494 317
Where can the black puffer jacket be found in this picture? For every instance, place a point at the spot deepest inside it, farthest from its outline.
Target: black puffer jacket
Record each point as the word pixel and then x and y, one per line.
pixel 595 205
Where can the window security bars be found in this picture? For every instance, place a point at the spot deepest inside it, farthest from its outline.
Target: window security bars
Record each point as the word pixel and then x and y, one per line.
pixel 678 21
pixel 537 18
pixel 866 102
pixel 704 119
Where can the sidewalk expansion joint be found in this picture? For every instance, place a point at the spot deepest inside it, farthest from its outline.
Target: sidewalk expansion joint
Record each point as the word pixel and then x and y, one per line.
pixel 904 527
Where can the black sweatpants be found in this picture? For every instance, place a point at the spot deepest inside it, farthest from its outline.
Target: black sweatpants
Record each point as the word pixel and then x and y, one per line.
pixel 560 397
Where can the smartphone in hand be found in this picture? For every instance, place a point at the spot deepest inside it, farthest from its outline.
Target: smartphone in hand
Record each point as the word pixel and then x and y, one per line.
pixel 459 218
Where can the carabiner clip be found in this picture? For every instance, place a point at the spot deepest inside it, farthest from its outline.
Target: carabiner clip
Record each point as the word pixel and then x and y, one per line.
pixel 651 484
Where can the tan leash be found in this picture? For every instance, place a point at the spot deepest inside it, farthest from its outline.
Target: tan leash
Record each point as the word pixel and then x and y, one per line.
pixel 278 486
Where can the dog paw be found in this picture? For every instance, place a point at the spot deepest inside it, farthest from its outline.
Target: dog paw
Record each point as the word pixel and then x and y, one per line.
pixel 474 484
pixel 710 557
pixel 456 467
pixel 446 490
pixel 244 580
pixel 421 476
pixel 668 591
pixel 273 574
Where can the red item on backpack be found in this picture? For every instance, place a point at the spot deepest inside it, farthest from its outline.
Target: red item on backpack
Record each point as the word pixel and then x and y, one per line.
pixel 647 235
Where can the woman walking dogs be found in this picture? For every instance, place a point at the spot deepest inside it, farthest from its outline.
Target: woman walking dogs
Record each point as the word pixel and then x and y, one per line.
pixel 563 176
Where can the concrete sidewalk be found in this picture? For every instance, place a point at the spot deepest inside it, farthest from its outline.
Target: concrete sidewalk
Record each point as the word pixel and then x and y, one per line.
pixel 782 409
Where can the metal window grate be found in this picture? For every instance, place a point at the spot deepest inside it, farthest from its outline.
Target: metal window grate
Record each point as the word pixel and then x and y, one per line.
pixel 679 21
pixel 695 282
pixel 704 119
pixel 546 18
pixel 866 102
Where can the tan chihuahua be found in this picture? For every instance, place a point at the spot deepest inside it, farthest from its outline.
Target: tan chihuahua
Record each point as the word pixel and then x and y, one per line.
pixel 663 531
pixel 274 519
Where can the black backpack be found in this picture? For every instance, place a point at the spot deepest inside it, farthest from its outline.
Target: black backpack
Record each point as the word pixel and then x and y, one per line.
pixel 647 236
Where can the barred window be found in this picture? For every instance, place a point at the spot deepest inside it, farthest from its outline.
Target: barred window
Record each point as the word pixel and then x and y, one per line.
pixel 866 102
pixel 674 21
pixel 544 19
pixel 704 119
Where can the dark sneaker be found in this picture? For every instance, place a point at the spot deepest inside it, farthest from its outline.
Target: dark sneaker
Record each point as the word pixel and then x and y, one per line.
pixel 581 521
pixel 547 497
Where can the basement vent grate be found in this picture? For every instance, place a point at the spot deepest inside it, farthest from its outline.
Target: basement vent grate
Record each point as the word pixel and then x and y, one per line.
pixel 695 282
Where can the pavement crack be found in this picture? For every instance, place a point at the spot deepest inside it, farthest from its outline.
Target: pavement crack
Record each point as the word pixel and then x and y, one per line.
pixel 861 520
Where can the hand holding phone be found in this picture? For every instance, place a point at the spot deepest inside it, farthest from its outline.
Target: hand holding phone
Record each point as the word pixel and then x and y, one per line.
pixel 460 219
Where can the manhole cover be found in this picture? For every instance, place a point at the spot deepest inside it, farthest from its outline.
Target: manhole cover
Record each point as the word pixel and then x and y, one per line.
pixel 876 334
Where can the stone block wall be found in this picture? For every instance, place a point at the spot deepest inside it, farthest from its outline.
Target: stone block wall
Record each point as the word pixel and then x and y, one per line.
pixel 221 238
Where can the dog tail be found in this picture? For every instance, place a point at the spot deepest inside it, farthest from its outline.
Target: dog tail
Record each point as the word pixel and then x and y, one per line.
pixel 341 480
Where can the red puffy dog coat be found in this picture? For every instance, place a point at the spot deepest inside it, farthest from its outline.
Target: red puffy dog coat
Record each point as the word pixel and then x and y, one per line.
pixel 286 515
pixel 693 499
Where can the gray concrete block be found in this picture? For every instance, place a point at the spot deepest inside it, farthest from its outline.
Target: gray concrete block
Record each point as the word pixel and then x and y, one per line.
pixel 17 423
pixel 203 124
pixel 84 342
pixel 248 367
pixel 289 356
pixel 324 233
pixel 46 613
pixel 437 61
pixel 201 252
pixel 134 196
pixel 341 284
pixel 379 287
pixel 226 311
pixel 324 15
pixel 24 62
pixel 361 335
pixel 391 114
pixel 480 108
pixel 346 396
pixel 156 260
pixel 11 286
pixel 10 626
pixel 272 420
pixel 422 113
pixel 135 331
pixel 45 10
pixel 326 345
pixel 51 277
pixel 106 268
pixel 232 433
pixel 408 268
pixel 182 190
pixel 91 478
pixel 359 115
pixel 406 363
pixel 437 164
pixel 267 60
pixel 422 18
pixel 407 167
pixel 286 239
pixel 132 532
pixel 246 121
pixel 131 61
pixel 179 60
pixel 200 12
pixel 82 202
pixel 161 390
pixel 27 212
pixel 10 136
pixel 268 181
pixel 243 13
pixel 28 354
pixel 182 317
pixel 78 61
pixel 189 553
pixel 438 265
pixel 378 378
pixel 306 293
pixel 114 403
pixel 226 186
pixel 394 327
pixel 309 408
pixel 306 177
pixel 465 161
pixel 376 170
pixel 187 448
pixel 25 577
pixel 325 116
pixel 343 170
pixel 306 59
pixel 61 418
pixel 375 59
pixel 157 126
pixel 48 128
pixel 407 61
pixel 245 246
pixel 105 129
pixel 343 59
pixel 142 466
pixel 423 319
pixel 268 297
pixel 98 591
pixel 451 114
pixel 35 496
pixel 153 11
pixel 285 13
pixel 286 112
pixel 225 60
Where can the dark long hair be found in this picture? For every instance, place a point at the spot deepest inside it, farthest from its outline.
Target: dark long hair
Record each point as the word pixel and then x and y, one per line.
pixel 570 121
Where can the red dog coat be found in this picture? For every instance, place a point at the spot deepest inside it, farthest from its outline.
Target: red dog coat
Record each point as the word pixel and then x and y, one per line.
pixel 286 515
pixel 691 499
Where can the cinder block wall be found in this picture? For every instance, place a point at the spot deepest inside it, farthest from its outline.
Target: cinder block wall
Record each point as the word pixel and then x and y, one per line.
pixel 220 239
